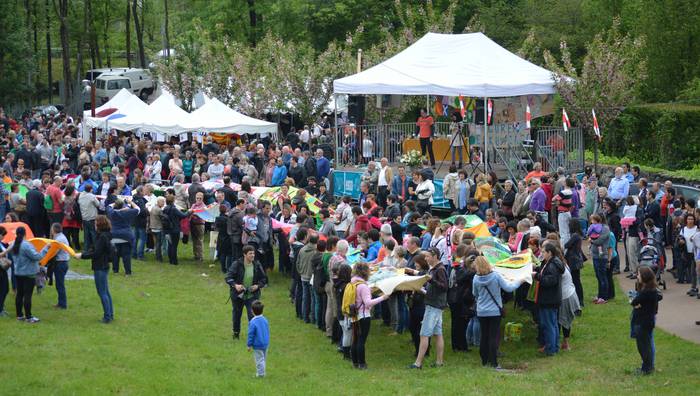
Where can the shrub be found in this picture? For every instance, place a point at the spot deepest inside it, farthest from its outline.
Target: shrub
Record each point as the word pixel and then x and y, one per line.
pixel 663 135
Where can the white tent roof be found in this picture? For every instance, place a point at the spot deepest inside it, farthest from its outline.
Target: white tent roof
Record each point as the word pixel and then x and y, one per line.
pixel 131 107
pixel 117 100
pixel 161 116
pixel 451 64
pixel 215 116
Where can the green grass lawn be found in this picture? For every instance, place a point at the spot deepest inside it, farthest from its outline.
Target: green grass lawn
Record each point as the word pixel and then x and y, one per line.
pixel 172 335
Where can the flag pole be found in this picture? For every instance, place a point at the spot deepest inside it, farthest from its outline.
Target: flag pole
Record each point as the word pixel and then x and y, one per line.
pixel 486 134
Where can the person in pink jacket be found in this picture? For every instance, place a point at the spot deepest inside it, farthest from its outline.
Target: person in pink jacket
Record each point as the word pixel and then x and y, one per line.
pixel 364 303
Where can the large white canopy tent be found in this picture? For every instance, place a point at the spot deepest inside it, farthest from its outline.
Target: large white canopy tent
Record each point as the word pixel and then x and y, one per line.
pixel 117 100
pixel 471 65
pixel 132 106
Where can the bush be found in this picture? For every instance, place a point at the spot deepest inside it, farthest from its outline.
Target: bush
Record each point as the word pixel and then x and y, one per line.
pixel 663 135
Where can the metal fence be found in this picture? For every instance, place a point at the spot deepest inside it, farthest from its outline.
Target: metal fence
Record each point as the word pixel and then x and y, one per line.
pixel 555 147
pixel 362 143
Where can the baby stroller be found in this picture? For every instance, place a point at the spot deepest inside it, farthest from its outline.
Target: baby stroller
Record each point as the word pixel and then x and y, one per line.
pixel 649 256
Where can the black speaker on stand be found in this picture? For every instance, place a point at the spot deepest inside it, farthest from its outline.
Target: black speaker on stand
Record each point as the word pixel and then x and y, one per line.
pixel 479 116
pixel 356 109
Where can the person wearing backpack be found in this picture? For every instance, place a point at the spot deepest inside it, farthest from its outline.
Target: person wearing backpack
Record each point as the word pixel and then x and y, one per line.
pixel 360 312
pixel 344 272
pixel 456 298
pixel 320 278
pixel 71 216
pixel 486 288
pixel 235 227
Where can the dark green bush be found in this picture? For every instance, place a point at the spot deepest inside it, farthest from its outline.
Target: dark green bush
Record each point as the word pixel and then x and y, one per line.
pixel 662 135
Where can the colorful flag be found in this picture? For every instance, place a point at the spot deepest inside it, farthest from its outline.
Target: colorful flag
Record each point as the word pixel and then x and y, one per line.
pixel 490 111
pixel 462 107
pixel 528 117
pixel 565 120
pixel 596 128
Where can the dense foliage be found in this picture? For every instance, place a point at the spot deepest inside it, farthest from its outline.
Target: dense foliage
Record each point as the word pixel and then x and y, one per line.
pixel 662 135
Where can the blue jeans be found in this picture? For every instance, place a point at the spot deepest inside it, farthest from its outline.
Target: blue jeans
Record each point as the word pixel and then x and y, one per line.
pixel 314 303
pixel 237 312
pixel 60 273
pixel 89 233
pixel 549 323
pixel 103 291
pixel 646 347
pixel 456 150
pixel 139 242
pixel 305 300
pixel 601 268
pixel 403 313
pixel 474 332
pixel 123 252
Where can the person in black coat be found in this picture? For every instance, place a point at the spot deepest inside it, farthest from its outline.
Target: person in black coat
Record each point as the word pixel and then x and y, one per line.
pixel 246 277
pixel 652 210
pixel 297 172
pixel 223 240
pixel 575 258
pixel 229 195
pixel 36 214
pixel 549 297
pixel 645 306
pixel 100 255
pixel 171 226
pixel 456 298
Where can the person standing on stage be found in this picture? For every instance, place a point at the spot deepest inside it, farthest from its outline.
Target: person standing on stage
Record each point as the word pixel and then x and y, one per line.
pixel 425 132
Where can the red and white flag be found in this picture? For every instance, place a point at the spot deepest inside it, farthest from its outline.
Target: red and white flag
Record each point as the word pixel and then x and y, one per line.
pixel 596 128
pixel 528 117
pixel 490 111
pixel 565 120
pixel 462 109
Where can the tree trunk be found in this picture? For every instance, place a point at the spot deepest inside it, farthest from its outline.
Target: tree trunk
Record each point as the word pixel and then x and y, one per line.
pixel 29 38
pixel 95 56
pixel 105 35
pixel 62 12
pixel 253 22
pixel 139 34
pixel 167 33
pixel 128 34
pixel 35 28
pixel 48 50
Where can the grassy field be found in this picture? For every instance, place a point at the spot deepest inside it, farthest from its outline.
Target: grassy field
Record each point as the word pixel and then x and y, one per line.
pixel 172 335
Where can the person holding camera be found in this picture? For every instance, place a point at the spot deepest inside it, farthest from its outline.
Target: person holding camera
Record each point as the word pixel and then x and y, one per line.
pixel 246 277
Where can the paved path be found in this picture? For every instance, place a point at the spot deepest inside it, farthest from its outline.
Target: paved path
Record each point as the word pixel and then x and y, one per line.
pixel 677 311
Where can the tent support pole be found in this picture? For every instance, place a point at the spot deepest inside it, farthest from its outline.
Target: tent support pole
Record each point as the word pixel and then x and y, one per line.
pixel 337 132
pixel 486 135
pixel 427 103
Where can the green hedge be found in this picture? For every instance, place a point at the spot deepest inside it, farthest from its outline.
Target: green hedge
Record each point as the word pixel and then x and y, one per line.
pixel 663 135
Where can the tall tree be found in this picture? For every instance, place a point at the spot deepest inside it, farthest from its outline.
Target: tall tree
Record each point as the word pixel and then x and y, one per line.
pixel 14 64
pixel 105 34
pixel 127 28
pixel 253 16
pixel 49 61
pixel 609 79
pixel 139 33
pixel 62 13
pixel 166 29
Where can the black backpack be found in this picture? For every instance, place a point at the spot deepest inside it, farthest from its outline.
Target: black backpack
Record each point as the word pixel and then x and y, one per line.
pixel 165 219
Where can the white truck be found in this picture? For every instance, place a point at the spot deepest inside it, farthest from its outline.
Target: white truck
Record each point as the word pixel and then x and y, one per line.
pixel 138 81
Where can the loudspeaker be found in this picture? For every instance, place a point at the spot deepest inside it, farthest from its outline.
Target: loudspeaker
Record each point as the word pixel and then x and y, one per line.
pixel 356 109
pixel 479 116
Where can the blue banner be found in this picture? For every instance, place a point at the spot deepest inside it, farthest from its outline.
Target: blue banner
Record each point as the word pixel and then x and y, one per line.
pixel 348 183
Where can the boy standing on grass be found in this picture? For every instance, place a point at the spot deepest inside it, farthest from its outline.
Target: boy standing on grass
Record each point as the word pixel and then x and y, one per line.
pixel 259 337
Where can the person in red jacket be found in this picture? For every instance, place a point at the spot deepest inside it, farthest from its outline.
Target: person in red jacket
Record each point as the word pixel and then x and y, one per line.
pixel 361 224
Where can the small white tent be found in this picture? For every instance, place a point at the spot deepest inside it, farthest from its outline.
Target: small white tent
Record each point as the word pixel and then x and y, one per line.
pixel 161 116
pixel 131 107
pixel 117 100
pixel 215 116
pixel 451 64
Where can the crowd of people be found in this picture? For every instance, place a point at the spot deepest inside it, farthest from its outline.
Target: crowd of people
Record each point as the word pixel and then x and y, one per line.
pixel 134 197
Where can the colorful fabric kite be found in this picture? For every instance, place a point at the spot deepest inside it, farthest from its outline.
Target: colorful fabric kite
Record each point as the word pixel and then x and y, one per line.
pixel 209 213
pixel 11 229
pixel 54 247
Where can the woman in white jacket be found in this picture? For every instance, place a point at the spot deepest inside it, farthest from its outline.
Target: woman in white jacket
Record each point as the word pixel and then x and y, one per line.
pixel 424 191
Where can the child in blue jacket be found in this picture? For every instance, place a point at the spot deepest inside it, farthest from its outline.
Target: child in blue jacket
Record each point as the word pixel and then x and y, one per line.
pixel 258 337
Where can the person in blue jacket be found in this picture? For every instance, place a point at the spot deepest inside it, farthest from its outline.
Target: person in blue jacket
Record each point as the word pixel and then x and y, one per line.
pixel 122 214
pixel 279 173
pixel 259 337
pixel 486 288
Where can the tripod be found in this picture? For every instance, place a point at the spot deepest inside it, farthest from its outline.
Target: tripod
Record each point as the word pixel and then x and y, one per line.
pixel 474 167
